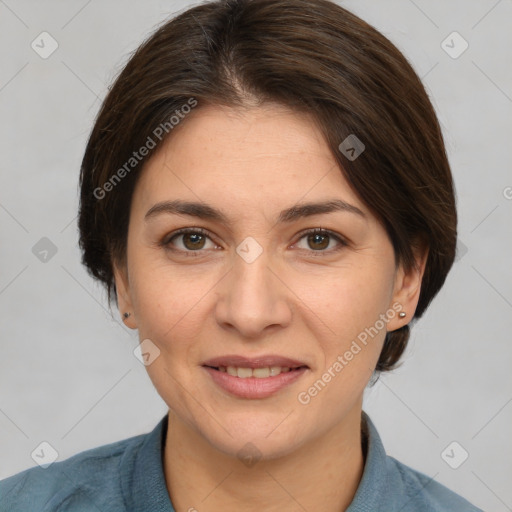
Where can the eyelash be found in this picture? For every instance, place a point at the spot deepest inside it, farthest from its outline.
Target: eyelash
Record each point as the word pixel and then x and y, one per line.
pixel 200 231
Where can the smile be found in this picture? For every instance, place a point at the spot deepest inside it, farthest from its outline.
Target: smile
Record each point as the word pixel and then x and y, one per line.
pixel 259 373
pixel 254 383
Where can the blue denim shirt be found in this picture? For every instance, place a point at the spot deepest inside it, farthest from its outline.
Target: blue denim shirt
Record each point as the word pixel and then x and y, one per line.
pixel 128 476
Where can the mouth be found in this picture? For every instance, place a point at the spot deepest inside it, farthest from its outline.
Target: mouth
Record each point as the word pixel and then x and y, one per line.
pixel 258 373
pixel 254 378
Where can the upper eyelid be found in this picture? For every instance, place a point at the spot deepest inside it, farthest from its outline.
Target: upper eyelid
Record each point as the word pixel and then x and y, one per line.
pixel 185 231
pixel 324 231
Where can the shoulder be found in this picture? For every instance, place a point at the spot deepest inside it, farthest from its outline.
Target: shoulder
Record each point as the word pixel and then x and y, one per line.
pixel 388 485
pixel 424 494
pixel 90 480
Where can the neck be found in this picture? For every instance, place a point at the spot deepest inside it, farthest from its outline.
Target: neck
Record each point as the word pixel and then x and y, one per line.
pixel 323 473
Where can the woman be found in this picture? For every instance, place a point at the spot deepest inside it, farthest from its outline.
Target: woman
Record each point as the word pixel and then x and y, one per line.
pixel 266 196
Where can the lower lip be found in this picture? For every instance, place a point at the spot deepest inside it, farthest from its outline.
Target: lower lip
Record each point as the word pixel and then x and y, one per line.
pixel 253 387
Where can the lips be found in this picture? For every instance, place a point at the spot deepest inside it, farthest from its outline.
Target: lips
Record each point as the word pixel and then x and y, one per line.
pixel 254 378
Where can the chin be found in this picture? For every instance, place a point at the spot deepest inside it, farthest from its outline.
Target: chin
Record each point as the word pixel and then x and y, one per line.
pixel 245 446
pixel 268 438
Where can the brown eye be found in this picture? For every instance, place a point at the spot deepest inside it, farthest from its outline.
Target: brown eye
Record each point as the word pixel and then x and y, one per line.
pixel 188 241
pixel 319 240
pixel 193 241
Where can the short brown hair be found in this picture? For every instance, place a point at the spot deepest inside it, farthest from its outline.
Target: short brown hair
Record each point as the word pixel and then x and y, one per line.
pixel 314 57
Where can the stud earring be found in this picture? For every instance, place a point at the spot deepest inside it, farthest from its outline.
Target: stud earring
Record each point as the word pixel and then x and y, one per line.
pixel 126 315
pixel 402 314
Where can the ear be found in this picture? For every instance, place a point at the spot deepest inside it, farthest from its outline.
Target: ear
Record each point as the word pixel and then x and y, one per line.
pixel 407 287
pixel 124 300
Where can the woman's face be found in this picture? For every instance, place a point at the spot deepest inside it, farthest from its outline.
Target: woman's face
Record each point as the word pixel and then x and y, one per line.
pixel 255 284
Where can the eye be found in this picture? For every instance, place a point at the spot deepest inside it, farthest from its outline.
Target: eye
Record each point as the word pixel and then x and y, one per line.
pixel 319 239
pixel 189 240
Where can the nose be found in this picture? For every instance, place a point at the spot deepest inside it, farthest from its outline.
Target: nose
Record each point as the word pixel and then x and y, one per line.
pixel 253 299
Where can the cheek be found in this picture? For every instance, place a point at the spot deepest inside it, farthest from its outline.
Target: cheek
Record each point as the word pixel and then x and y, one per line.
pixel 350 352
pixel 351 332
pixel 170 305
pixel 169 301
pixel 347 300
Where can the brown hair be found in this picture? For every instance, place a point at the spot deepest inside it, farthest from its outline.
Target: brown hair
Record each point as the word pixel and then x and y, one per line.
pixel 312 56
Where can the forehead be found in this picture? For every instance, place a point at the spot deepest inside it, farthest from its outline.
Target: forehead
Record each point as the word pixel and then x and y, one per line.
pixel 259 156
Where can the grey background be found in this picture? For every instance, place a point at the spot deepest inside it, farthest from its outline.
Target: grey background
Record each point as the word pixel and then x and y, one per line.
pixel 68 375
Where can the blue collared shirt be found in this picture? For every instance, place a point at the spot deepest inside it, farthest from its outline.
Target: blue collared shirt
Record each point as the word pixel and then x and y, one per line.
pixel 128 476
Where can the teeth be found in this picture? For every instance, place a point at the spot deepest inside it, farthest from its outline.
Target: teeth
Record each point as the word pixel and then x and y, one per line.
pixel 243 373
pixel 276 370
pixel 259 373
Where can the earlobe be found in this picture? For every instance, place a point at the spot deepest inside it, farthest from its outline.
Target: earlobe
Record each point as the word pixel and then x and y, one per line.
pixel 124 301
pixel 407 289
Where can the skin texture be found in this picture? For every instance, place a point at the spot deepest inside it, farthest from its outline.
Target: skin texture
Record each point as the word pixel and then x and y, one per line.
pixel 300 298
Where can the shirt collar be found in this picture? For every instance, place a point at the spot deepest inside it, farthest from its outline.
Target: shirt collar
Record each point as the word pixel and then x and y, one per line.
pixel 143 480
pixel 371 492
pixel 142 473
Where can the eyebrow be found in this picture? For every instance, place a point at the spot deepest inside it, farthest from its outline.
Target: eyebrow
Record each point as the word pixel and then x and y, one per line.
pixel 207 212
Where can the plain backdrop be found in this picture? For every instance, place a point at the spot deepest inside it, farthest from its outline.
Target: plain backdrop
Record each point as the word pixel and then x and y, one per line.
pixel 68 374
